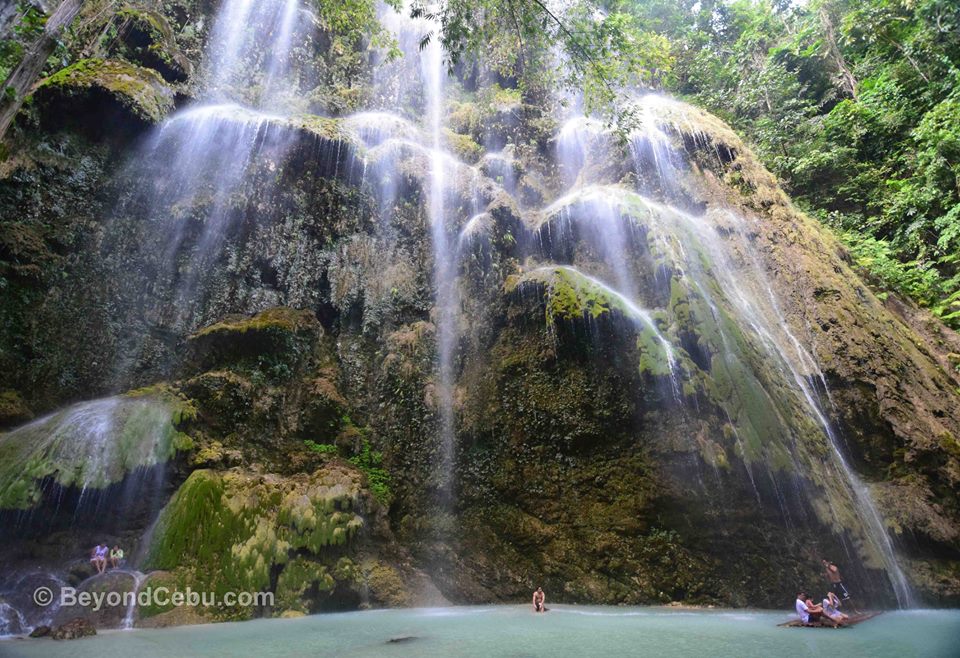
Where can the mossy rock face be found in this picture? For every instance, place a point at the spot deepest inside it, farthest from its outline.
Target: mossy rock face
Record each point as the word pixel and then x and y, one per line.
pixel 104 97
pixel 568 294
pixel 148 40
pixel 225 399
pixel 91 445
pixel 280 332
pixel 242 532
pixel 572 298
pixel 13 409
pixel 324 128
pixel 324 408
pixel 463 145
pixel 387 587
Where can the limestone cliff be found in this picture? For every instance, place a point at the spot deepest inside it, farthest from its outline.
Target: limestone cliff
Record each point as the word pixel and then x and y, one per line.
pixel 663 382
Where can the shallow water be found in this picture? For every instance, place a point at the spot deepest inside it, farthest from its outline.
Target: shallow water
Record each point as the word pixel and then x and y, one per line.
pixel 516 631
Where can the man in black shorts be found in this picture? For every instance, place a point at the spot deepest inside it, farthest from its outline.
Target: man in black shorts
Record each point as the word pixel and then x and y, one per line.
pixel 836 581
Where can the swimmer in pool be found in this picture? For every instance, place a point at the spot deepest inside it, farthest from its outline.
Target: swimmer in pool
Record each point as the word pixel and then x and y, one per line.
pixel 539 600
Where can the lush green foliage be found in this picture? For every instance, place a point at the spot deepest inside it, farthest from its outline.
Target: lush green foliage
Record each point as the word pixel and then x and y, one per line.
pixel 855 105
pixel 321 448
pixel 26 29
pixel 367 460
pixel 371 463
pixel 606 47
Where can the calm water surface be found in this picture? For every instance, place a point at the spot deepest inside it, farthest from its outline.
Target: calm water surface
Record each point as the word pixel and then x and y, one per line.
pixel 516 631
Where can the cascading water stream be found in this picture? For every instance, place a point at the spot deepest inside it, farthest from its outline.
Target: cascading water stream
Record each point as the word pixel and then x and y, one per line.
pixel 444 267
pixel 865 504
pixel 779 344
pixel 639 315
pixel 443 169
pixel 130 614
pixel 87 447
pixel 603 208
pixel 104 452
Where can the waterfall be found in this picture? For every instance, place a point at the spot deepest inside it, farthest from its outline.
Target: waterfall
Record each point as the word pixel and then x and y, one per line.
pixel 762 312
pixel 444 267
pixel 621 223
pixel 89 448
pixel 130 613
pixel 252 46
pixel 446 175
pixel 703 256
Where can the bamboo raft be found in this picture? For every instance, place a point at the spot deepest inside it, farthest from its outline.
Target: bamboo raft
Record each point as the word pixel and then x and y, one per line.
pixel 853 620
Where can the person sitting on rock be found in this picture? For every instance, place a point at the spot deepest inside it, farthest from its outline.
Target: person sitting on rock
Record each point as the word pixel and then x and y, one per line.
pixel 831 608
pixel 116 557
pixel 808 612
pixel 99 557
pixel 539 600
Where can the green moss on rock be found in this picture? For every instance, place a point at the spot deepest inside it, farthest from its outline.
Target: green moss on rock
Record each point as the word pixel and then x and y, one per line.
pixel 104 86
pixel 568 294
pixel 280 333
pixel 13 409
pixel 463 145
pixel 386 586
pixel 324 128
pixel 91 444
pixel 297 577
pixel 232 531
pixel 146 38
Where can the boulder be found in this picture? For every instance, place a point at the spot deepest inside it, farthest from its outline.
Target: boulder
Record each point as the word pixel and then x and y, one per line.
pixel 145 37
pixel 277 332
pixel 106 98
pixel 244 531
pixel 73 630
pixel 13 409
pixel 109 588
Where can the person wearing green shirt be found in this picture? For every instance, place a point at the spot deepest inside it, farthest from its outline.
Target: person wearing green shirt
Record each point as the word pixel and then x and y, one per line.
pixel 116 556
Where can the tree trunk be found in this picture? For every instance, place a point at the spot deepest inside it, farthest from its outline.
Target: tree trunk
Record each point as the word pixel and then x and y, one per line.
pixel 21 80
pixel 848 82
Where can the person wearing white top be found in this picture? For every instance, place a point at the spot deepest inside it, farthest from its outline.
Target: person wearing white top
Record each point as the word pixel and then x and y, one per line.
pixel 807 613
pixel 831 606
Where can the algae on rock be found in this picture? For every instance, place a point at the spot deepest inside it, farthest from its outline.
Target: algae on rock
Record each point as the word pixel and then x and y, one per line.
pixel 241 531
pixel 90 445
pixel 109 88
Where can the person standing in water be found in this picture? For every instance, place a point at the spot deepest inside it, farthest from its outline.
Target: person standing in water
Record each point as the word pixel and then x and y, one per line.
pixel 539 600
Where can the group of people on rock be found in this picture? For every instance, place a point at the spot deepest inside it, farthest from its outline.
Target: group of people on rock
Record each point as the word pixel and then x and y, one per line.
pixel 101 553
pixel 813 613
